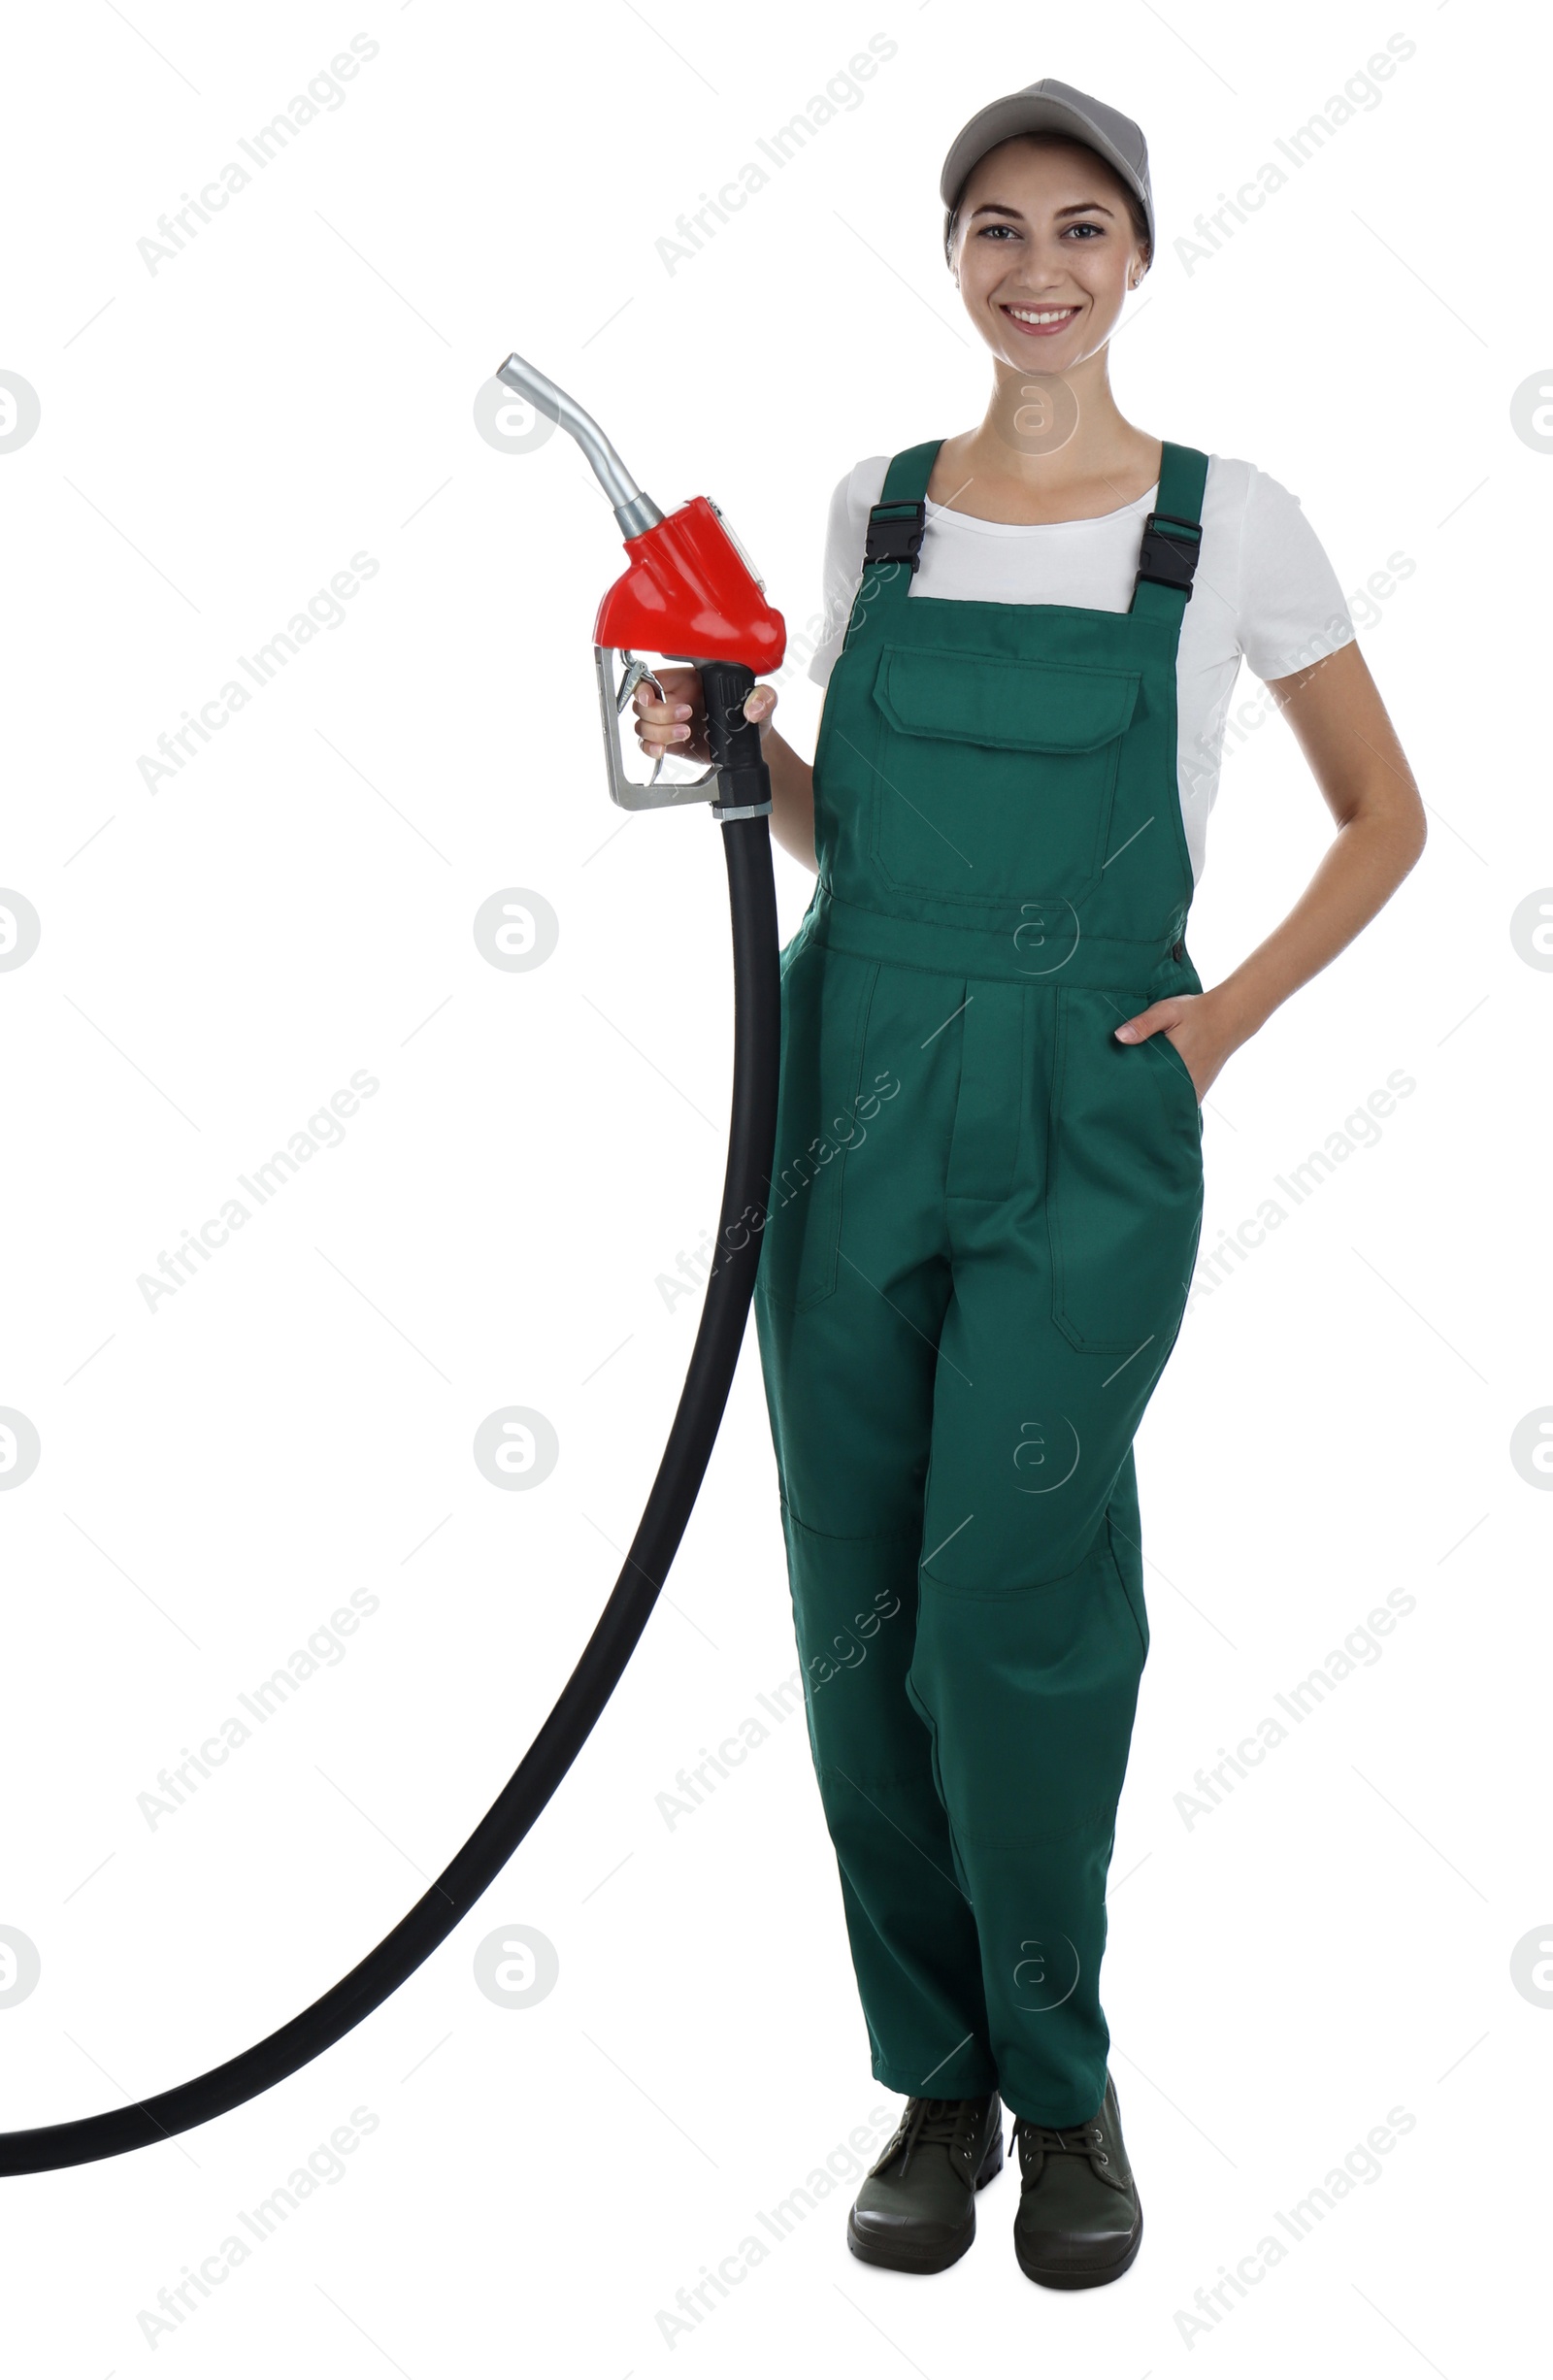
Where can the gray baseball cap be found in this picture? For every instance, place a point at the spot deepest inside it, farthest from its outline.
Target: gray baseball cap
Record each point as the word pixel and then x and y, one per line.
pixel 1048 106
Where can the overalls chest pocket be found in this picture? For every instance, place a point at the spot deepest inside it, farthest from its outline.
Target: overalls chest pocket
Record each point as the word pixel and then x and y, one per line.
pixel 994 780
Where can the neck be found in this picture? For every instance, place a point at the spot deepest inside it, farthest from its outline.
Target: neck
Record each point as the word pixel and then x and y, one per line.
pixel 1049 428
pixel 1050 445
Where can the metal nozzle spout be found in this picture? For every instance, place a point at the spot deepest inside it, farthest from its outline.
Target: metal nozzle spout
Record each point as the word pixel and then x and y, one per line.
pixel 634 510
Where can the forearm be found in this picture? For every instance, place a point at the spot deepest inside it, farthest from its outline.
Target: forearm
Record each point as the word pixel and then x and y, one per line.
pixel 792 798
pixel 1366 860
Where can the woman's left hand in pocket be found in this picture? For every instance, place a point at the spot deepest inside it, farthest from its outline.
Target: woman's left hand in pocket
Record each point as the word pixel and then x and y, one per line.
pixel 1194 1023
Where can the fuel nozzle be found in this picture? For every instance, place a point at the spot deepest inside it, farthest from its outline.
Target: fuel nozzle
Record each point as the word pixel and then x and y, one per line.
pixel 691 593
pixel 634 510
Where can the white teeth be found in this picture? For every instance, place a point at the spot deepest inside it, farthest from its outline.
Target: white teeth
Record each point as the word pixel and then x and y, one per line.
pixel 1022 313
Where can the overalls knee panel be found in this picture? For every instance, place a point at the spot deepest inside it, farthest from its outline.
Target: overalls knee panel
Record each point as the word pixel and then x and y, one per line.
pixel 982 1228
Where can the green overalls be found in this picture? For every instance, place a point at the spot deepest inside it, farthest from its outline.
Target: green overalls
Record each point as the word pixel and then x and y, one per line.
pixel 983 1222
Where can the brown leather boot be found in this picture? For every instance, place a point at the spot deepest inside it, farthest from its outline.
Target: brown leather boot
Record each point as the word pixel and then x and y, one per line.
pixel 916 2210
pixel 1080 2221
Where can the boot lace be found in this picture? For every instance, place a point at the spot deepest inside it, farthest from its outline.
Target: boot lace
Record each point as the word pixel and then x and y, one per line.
pixel 950 2123
pixel 1074 2139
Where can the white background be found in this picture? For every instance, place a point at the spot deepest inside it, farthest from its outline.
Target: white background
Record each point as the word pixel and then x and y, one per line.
pixel 218 439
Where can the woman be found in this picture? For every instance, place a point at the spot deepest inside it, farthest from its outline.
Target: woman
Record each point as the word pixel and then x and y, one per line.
pixel 989 1165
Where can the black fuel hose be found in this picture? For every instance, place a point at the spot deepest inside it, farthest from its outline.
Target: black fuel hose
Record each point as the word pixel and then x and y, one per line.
pixel 724 1313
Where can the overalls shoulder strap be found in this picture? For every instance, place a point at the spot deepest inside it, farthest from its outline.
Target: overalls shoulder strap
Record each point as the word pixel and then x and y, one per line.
pixel 1172 535
pixel 896 522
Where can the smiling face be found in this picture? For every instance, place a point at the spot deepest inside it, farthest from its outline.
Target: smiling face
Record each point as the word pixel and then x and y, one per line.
pixel 1044 245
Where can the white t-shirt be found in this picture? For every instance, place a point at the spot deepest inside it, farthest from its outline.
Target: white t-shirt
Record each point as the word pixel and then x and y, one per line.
pixel 1263 587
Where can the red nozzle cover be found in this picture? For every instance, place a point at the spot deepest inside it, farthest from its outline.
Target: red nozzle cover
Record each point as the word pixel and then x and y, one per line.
pixel 689 596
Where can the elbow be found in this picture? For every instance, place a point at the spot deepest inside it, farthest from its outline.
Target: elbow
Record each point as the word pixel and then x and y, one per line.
pixel 1417 830
pixel 1408 833
pixel 1405 820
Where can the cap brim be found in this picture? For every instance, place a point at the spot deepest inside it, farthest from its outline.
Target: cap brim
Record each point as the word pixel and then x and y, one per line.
pixel 1005 118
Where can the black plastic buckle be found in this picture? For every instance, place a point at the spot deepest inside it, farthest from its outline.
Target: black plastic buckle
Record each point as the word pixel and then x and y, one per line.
pixel 1166 558
pixel 895 532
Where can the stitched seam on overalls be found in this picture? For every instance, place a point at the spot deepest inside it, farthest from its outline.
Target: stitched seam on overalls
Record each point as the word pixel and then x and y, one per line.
pixel 854 1092
pixel 1127 941
pixel 867 1536
pixel 958 1832
pixel 888 1777
pixel 1027 1105
pixel 945 1227
pixel 1051 1202
pixel 1110 1548
pixel 996 1594
pixel 1017 667
pixel 1050 1835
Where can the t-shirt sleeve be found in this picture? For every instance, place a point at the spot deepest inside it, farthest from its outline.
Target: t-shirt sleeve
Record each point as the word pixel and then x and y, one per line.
pixel 845 533
pixel 1292 610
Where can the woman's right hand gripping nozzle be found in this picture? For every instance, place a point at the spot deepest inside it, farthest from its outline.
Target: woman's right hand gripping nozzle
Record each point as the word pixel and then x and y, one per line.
pixel 678 723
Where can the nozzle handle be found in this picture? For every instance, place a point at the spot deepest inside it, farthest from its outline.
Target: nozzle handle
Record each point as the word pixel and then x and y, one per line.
pixel 634 510
pixel 744 780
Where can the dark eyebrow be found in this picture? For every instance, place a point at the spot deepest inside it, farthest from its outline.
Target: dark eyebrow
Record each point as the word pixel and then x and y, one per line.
pixel 1085 207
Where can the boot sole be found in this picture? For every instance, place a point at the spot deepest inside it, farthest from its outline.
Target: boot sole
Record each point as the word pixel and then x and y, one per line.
pixel 906 2258
pixel 1061 2276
